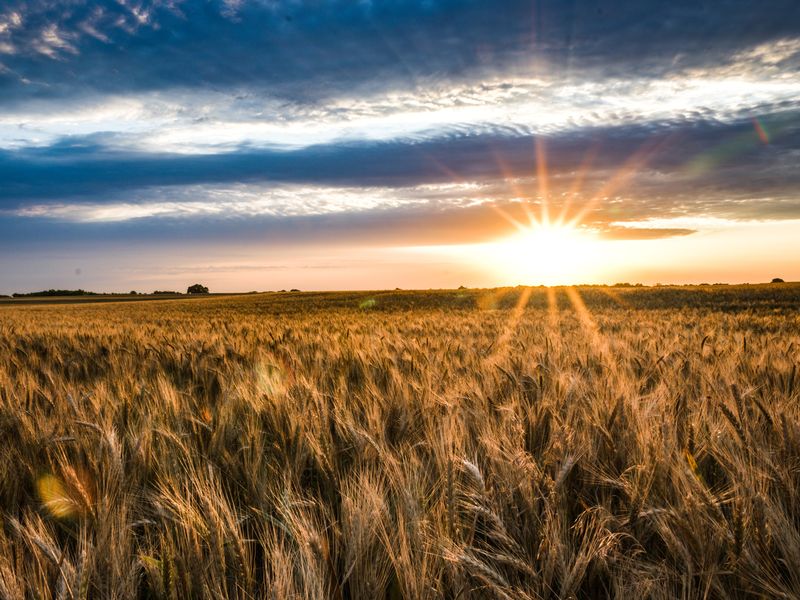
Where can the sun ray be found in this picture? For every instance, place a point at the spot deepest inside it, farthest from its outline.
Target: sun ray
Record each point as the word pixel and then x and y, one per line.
pixel 508 175
pixel 614 295
pixel 454 177
pixel 577 182
pixel 541 176
pixel 503 213
pixel 514 317
pixel 532 220
pixel 552 307
pixel 636 162
pixel 517 192
pixel 587 321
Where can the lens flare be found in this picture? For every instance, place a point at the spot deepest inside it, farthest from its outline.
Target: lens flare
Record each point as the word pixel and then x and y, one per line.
pixel 762 133
pixel 69 497
pixel 55 498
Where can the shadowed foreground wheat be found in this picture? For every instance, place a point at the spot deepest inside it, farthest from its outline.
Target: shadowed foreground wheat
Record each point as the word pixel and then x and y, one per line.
pixel 408 445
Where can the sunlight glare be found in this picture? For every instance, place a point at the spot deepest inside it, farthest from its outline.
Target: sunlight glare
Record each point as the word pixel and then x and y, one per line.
pixel 550 254
pixel 545 254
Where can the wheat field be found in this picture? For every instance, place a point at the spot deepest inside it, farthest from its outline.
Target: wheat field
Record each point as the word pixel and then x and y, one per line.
pixel 519 443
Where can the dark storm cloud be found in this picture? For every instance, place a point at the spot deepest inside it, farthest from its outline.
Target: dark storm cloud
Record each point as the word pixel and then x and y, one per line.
pixel 308 51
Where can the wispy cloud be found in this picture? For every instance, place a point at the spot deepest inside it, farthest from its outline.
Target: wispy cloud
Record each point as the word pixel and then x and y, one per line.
pixel 183 122
pixel 254 201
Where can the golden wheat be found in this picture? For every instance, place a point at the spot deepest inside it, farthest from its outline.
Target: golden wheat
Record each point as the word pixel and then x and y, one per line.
pixel 462 444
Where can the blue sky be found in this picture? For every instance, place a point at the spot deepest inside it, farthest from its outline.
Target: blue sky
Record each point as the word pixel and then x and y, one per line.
pixel 357 144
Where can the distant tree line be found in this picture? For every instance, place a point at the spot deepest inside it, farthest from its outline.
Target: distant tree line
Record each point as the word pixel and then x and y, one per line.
pixel 55 293
pixel 197 288
pixel 49 293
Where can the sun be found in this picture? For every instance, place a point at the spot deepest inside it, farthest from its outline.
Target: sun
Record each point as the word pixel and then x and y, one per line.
pixel 559 243
pixel 557 253
pixel 553 244
pixel 547 253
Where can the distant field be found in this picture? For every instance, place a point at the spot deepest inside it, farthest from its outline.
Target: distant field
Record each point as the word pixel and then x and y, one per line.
pixel 513 443
pixel 724 297
pixel 93 299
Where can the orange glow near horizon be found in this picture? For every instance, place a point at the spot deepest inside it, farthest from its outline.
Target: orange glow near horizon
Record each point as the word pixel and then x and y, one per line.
pixel 743 252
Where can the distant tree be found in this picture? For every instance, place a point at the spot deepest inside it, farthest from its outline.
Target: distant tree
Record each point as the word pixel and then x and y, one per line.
pixel 294 290
pixel 133 293
pixel 778 280
pixel 197 289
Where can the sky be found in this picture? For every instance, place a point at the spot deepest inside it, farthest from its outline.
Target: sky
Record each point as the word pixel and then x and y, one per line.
pixel 366 144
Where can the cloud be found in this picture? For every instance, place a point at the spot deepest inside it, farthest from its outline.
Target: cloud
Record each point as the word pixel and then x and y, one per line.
pixel 643 233
pixel 241 201
pixel 413 217
pixel 219 123
pixel 310 53
pixel 757 80
pixel 658 158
